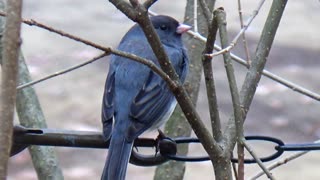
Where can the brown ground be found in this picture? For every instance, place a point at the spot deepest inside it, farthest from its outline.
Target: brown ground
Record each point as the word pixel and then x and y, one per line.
pixel 73 101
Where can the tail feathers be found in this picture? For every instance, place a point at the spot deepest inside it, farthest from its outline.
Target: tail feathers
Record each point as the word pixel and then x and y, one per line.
pixel 118 158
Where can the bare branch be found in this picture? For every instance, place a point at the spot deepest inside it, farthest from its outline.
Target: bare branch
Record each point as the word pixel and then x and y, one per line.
pixel 221 19
pixel 32 22
pixel 151 13
pixel 268 34
pixel 266 73
pixel 255 156
pixel 255 71
pixel 11 41
pixel 195 15
pixel 107 50
pixel 61 72
pixel 280 80
pixel 238 118
pixel 235 40
pixel 244 39
pixel 279 163
pixel 177 125
pixel 282 162
pixel 234 168
pixel 206 11
pixel 209 81
pixel 125 6
pixel 30 114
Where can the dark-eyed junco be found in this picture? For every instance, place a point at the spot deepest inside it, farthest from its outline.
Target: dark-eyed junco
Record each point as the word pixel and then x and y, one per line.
pixel 135 98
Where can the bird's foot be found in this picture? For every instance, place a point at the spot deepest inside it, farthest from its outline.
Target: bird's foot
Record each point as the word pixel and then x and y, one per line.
pixel 165 145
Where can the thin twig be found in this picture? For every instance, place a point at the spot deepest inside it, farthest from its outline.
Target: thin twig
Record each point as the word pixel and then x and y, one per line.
pixel 255 156
pixel 10 53
pixel 244 39
pixel 279 163
pixel 61 72
pixel 234 168
pixel 240 152
pixel 221 19
pixel 282 162
pixel 174 170
pixel 253 76
pixel 206 11
pixel 235 40
pixel 209 81
pixel 195 15
pixel 130 12
pixel 263 49
pixel 107 50
pixel 44 159
pixel 291 85
pixel 152 13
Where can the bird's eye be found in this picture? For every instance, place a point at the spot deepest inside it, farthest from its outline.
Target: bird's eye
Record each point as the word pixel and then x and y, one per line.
pixel 163 27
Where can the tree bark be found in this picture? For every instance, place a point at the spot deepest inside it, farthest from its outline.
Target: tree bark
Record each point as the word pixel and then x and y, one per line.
pixel 30 115
pixel 11 40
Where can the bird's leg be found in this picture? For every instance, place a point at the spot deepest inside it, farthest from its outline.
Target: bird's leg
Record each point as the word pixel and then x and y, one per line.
pixel 160 137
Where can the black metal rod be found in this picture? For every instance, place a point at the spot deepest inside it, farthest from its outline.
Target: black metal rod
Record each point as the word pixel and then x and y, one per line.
pixel 166 148
pixel 299 147
pixel 50 137
pixel 23 137
pixel 67 138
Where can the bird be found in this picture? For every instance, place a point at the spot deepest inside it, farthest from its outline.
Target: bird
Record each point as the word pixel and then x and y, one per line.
pixel 135 98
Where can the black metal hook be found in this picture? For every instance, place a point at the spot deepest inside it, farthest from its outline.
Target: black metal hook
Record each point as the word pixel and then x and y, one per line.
pixel 278 153
pixel 23 137
pixel 271 157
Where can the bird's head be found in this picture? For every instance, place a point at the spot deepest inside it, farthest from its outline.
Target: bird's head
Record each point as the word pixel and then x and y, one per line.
pixel 169 29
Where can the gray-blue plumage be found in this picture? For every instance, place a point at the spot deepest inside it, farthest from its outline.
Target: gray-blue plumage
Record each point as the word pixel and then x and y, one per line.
pixel 136 98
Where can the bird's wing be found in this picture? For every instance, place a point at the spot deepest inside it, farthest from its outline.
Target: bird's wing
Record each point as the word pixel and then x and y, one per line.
pixel 107 105
pixel 151 103
pixel 181 67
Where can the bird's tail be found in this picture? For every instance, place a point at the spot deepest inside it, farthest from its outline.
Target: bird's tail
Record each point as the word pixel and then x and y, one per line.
pixel 118 158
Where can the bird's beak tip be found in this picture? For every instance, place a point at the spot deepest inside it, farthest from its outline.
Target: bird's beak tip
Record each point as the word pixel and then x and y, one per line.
pixel 182 28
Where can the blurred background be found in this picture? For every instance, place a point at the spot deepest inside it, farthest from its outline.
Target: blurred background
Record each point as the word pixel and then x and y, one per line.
pixel 73 101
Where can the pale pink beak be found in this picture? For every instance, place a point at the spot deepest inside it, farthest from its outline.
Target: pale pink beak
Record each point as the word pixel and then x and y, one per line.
pixel 182 28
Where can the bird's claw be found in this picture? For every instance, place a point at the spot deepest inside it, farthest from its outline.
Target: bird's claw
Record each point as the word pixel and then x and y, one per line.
pixel 165 145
